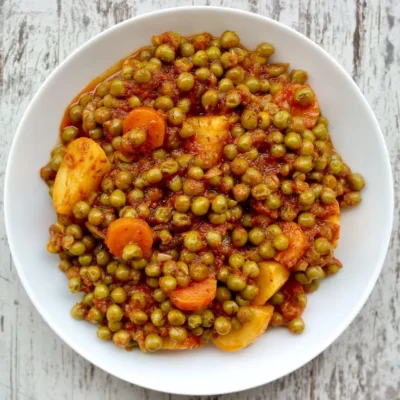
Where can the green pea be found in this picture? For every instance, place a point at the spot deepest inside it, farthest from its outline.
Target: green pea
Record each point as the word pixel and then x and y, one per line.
pixel 253 84
pixel 320 132
pixel 256 236
pixel 230 307
pixel 153 342
pixel 249 119
pixel 102 89
pixel 176 317
pixel 209 98
pixel 69 133
pixel 225 85
pixel 328 196
pixel 186 49
pixel 185 81
pixel 182 203
pixel 131 251
pixel 167 283
pixel 229 39
pixel 213 238
pixel 233 99
pixel 122 272
pixel 81 209
pixel 304 96
pixel 265 49
pixel 78 311
pixel 177 334
pixel 164 103
pixel 223 274
pixel 94 315
pixel 307 220
pixel 293 141
pixel 239 166
pixel 235 283
pixel 208 318
pixel 239 237
pixel 277 299
pixel 281 119
pixel 241 192
pixel 175 184
pixel 200 206
pixel 298 76
pixel 222 325
pixel 236 260
pixel 184 105
pixel 281 242
pixel 322 245
pixel 267 250
pixel 244 143
pixel 56 162
pixel 114 313
pixel 252 177
pixel 194 321
pixel 245 314
pixel 219 204
pixel 264 120
pixel 313 273
pixel 200 58
pixel 198 272
pixel 165 53
pixel 117 198
pixel 117 87
pixel 101 291
pixel 296 325
pixel 216 68
pixel 307 198
pixel 356 181
pixel 311 287
pixel 104 333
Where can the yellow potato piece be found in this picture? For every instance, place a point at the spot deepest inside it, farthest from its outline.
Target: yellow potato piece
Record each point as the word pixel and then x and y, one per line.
pixel 334 219
pixel 80 173
pixel 189 343
pixel 248 333
pixel 210 134
pixel 272 277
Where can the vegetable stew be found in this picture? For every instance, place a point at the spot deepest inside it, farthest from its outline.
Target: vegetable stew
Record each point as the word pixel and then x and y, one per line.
pixel 198 196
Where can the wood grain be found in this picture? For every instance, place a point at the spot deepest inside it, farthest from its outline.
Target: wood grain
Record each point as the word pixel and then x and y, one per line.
pixel 363 35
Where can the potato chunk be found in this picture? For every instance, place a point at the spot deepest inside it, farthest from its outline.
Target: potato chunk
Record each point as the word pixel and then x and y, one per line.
pixel 210 134
pixel 80 173
pixel 248 332
pixel 189 343
pixel 272 277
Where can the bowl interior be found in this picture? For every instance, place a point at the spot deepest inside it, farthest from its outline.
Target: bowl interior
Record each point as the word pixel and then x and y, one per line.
pixel 365 230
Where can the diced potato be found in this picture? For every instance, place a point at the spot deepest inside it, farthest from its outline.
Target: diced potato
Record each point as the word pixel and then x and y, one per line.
pixel 189 343
pixel 248 332
pixel 334 219
pixel 272 277
pixel 298 244
pixel 210 134
pixel 80 173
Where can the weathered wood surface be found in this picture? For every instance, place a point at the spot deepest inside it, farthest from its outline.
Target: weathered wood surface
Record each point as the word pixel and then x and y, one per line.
pixel 364 35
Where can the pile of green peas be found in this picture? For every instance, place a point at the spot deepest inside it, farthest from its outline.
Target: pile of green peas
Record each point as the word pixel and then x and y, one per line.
pixel 218 222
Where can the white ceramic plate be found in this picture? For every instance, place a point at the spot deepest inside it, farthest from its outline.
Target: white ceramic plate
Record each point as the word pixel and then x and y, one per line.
pixel 365 230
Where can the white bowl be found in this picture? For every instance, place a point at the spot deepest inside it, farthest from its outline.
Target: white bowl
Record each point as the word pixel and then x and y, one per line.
pixel 365 229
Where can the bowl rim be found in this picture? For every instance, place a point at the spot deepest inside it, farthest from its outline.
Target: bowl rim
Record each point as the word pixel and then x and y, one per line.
pixel 386 164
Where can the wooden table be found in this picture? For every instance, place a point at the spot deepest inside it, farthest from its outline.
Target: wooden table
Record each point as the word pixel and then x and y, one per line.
pixel 363 35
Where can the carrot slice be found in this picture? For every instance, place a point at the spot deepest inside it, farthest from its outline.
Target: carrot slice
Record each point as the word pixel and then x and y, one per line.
pixel 285 99
pixel 197 295
pixel 125 231
pixel 150 119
